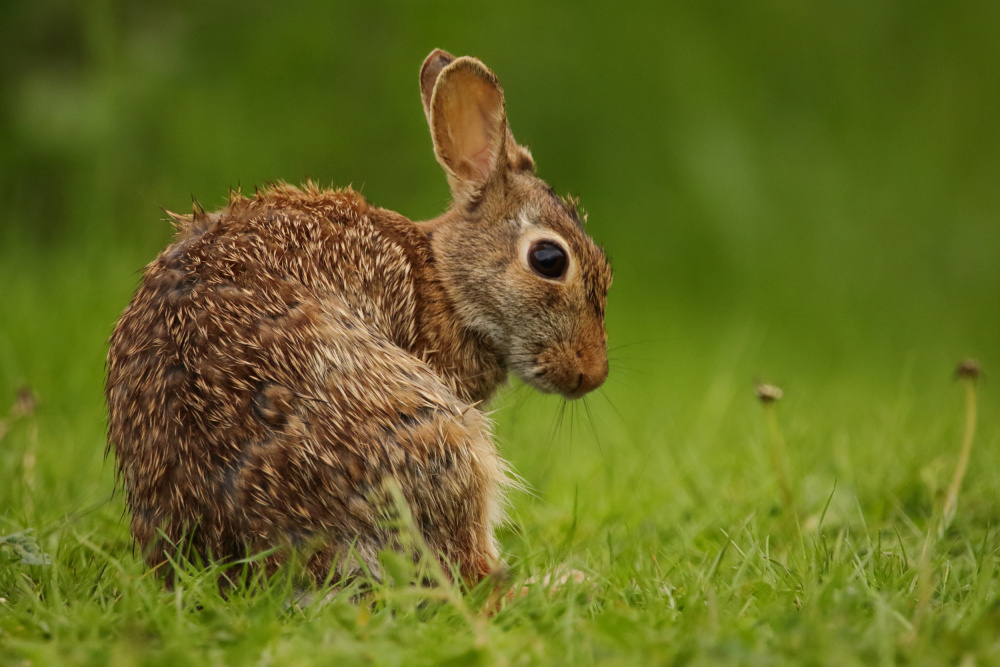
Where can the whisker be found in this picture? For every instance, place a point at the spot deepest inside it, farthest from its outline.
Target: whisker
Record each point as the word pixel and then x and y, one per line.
pixel 593 427
pixel 572 420
pixel 603 394
pixel 643 372
pixel 644 360
pixel 522 397
pixel 638 342
pixel 557 423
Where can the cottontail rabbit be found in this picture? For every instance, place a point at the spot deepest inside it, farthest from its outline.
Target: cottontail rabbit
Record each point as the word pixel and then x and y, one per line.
pixel 288 356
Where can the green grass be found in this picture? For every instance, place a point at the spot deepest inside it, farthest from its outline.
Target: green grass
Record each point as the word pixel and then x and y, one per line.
pixel 659 488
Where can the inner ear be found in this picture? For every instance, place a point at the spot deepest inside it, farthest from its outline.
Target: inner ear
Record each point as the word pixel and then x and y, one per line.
pixel 468 122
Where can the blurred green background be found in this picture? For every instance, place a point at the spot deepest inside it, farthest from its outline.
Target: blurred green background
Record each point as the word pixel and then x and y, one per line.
pixel 801 192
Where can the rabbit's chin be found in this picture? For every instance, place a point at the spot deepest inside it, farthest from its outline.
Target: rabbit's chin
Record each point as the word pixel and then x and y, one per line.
pixel 533 375
pixel 545 380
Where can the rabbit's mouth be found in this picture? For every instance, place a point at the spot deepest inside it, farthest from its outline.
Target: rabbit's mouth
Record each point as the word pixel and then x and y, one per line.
pixel 571 373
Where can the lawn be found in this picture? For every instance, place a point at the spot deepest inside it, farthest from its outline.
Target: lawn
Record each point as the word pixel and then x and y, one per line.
pixel 809 203
pixel 659 488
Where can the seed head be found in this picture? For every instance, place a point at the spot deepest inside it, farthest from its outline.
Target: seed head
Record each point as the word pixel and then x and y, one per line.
pixel 968 369
pixel 25 404
pixel 768 393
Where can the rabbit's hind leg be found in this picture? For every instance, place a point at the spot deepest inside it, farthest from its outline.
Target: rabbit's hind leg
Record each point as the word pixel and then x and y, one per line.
pixel 353 415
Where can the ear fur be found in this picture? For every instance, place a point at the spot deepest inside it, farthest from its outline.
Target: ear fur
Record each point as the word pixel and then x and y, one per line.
pixel 468 125
pixel 429 71
pixel 464 105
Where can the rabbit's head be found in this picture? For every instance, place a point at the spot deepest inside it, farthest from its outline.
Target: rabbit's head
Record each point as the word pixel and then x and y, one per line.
pixel 514 258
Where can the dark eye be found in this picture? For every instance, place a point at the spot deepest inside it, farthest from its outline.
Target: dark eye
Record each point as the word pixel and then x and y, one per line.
pixel 548 259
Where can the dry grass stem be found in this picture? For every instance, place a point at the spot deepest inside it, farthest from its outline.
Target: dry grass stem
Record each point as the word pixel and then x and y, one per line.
pixel 768 395
pixel 968 373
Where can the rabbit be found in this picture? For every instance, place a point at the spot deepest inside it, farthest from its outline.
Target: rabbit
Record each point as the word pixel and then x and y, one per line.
pixel 289 357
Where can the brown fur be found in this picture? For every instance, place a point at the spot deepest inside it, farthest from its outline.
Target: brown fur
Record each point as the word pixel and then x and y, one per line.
pixel 288 356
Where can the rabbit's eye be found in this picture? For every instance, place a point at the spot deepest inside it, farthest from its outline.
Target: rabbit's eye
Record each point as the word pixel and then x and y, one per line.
pixel 547 259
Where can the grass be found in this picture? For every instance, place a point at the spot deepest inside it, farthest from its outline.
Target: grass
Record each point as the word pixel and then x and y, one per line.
pixel 661 489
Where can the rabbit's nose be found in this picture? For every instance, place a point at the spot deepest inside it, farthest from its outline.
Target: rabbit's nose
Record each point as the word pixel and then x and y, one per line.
pixel 593 370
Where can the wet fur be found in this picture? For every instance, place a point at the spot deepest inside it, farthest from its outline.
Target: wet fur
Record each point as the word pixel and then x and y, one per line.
pixel 289 355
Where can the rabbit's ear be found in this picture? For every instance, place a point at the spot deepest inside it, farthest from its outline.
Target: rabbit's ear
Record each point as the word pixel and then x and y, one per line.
pixel 433 64
pixel 468 123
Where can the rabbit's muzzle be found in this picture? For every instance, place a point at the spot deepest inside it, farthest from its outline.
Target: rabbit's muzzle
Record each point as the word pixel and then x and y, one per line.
pixel 591 369
pixel 572 371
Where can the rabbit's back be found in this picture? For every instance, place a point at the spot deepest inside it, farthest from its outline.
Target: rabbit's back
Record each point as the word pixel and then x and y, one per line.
pixel 260 384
